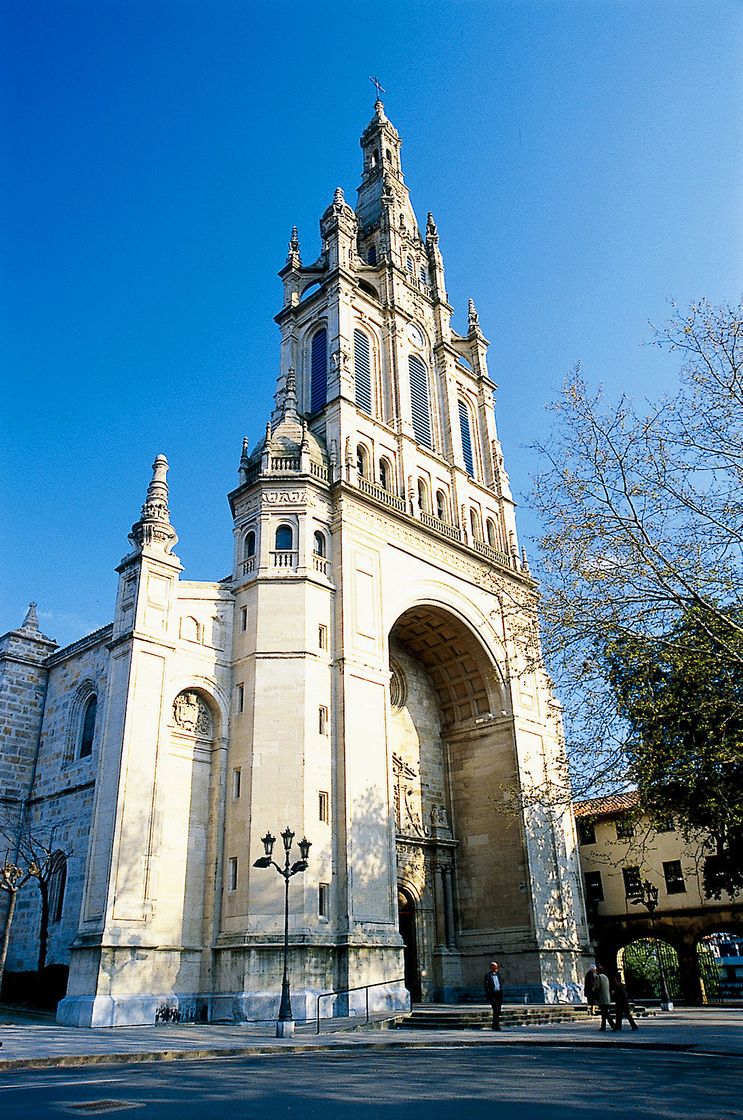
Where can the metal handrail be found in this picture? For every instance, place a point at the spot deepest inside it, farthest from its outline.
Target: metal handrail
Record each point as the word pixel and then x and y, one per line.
pixel 344 992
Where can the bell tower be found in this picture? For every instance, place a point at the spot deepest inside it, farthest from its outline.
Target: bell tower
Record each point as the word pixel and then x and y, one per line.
pixel 383 699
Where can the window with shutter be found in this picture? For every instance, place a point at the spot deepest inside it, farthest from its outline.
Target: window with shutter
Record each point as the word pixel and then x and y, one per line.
pixel 319 371
pixel 419 400
pixel 466 433
pixel 362 370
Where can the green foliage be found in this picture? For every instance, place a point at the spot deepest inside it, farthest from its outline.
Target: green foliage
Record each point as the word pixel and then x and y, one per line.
pixel 642 571
pixel 683 706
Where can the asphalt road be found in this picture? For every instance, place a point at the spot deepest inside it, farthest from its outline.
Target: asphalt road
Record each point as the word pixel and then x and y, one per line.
pixel 511 1083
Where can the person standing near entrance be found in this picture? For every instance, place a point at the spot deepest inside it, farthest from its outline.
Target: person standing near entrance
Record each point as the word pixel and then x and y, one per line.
pixel 493 984
pixel 622 1005
pixel 604 999
pixel 591 988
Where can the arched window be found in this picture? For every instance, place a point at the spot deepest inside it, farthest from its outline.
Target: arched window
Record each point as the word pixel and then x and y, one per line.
pixel 88 727
pixel 423 496
pixel 419 400
pixel 362 369
pixel 466 434
pixel 249 548
pixel 410 265
pixel 57 884
pixel 319 544
pixel 371 256
pixel 319 370
pixel 491 534
pixel 385 474
pixel 362 461
pixel 441 506
pixel 475 524
pixel 284 538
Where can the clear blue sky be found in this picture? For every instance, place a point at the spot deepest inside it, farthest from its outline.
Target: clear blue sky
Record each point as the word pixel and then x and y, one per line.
pixel 582 161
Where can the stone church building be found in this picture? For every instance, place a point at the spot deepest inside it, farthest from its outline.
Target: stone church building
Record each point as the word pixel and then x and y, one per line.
pixel 361 677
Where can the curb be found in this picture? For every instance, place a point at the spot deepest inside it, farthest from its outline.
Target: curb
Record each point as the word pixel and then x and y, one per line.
pixel 68 1061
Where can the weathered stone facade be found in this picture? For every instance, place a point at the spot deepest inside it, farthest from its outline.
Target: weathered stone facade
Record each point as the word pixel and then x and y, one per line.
pixel 357 677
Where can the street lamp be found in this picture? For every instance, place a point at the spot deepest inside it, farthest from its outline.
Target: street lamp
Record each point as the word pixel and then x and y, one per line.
pixel 649 899
pixel 285 1024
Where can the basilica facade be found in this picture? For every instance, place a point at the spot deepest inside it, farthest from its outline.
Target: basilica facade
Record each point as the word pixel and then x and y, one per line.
pixel 367 675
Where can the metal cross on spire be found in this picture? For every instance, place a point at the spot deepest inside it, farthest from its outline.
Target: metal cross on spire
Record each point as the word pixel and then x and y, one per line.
pixel 379 87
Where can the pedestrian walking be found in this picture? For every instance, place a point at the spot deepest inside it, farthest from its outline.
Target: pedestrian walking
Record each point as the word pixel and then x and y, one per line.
pixel 493 984
pixel 604 998
pixel 622 1007
pixel 591 989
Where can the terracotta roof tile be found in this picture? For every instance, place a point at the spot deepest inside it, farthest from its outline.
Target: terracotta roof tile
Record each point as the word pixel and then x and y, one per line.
pixel 606 806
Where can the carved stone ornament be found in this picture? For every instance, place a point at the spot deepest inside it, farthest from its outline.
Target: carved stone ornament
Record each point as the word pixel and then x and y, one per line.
pixel 283 497
pixel 407 798
pixel 192 715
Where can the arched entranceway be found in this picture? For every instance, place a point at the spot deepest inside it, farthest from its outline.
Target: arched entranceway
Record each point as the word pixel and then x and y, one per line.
pixel 450 746
pixel 720 957
pixel 406 917
pixel 651 969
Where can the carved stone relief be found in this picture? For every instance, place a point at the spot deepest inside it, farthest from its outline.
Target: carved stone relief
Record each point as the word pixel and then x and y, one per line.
pixel 192 715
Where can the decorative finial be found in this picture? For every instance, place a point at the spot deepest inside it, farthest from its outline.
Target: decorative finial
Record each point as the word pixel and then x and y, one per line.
pixel 31 621
pixel 339 199
pixel 290 392
pixel 153 527
pixel 244 454
pixel 293 256
pixel 432 234
pixel 473 319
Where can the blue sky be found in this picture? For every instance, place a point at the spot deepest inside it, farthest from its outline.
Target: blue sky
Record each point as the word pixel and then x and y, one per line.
pixel 582 161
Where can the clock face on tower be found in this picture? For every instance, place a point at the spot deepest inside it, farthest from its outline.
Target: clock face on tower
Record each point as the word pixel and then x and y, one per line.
pixel 415 335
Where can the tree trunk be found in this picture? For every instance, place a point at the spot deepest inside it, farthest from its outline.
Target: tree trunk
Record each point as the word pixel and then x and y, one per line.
pixel 6 934
pixel 43 925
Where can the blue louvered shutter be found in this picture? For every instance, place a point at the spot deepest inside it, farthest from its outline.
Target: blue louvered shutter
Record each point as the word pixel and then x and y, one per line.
pixel 466 433
pixel 362 370
pixel 319 371
pixel 419 400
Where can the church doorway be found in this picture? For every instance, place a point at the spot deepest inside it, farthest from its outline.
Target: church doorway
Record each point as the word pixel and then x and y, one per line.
pixel 406 917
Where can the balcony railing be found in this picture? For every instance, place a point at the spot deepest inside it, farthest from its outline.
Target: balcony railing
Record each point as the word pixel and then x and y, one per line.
pixel 284 558
pixel 493 553
pixel 386 497
pixel 248 565
pixel 284 463
pixel 440 526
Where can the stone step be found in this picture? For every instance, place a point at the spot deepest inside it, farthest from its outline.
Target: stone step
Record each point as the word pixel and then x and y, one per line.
pixel 466 1017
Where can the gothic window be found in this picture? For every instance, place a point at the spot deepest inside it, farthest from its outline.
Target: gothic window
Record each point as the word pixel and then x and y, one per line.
pixel 319 370
pixel 465 430
pixel 491 534
pixel 57 884
pixel 284 538
pixel 88 727
pixel 423 496
pixel 475 524
pixel 385 474
pixel 319 546
pixel 419 400
pixel 362 461
pixel 362 370
pixel 441 506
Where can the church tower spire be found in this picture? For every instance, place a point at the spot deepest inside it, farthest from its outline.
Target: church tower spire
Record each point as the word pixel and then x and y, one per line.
pixel 153 527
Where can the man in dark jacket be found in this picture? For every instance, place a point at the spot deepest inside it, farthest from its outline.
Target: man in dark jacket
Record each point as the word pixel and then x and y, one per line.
pixel 493 985
pixel 591 988
pixel 622 1005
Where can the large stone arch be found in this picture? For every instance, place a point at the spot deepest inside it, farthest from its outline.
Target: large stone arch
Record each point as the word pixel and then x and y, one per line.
pixel 452 749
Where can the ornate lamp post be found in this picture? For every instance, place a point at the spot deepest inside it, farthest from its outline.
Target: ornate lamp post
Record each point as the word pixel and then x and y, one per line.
pixel 649 899
pixel 285 1024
